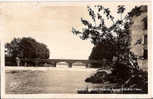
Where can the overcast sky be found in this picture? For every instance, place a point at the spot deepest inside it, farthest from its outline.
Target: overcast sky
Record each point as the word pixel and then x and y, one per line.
pixel 50 24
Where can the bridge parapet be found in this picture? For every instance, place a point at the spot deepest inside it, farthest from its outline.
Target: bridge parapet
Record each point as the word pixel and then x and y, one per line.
pixel 54 62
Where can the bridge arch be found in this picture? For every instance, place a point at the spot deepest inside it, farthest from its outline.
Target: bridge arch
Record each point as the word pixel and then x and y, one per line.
pixel 64 63
pixel 80 63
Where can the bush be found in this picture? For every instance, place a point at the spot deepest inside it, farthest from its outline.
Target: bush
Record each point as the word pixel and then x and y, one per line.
pixel 139 80
pixel 9 61
pixel 121 72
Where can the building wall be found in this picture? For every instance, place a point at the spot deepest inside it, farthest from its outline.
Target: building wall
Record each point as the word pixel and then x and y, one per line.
pixel 139 39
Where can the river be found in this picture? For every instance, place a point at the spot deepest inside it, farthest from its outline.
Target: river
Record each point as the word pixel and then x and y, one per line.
pixel 36 80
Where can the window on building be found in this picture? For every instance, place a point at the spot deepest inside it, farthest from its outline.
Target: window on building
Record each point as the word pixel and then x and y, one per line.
pixel 145 39
pixel 145 23
pixel 145 54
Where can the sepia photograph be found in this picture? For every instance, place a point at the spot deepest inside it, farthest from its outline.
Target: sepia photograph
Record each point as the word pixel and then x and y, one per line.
pixel 90 48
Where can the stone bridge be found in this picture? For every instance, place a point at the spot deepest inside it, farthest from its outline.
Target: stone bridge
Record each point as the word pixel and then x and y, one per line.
pixel 54 62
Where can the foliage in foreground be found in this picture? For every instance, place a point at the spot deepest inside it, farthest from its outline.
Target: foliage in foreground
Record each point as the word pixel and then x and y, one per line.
pixel 106 30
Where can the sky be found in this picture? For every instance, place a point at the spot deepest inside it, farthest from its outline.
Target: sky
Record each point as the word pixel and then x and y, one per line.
pixel 51 24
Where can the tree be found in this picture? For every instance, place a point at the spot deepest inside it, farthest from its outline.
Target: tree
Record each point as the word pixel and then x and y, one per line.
pixel 33 49
pixel 105 27
pixel 103 50
pixel 26 48
pixel 12 49
pixel 117 34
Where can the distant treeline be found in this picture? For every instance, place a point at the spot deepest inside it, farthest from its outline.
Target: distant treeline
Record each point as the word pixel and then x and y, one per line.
pixel 25 48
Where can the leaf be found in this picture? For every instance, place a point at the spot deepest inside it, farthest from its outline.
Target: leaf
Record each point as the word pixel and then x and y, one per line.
pixel 100 8
pixel 91 13
pixel 85 34
pixel 121 9
pixel 111 17
pixel 86 23
pixel 74 31
pixel 107 11
pixel 99 16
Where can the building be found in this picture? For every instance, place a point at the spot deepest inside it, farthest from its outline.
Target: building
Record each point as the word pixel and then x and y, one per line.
pixel 139 36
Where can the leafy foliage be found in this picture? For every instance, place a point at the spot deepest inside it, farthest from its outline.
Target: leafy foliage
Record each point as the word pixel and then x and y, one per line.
pixel 26 47
pixel 105 27
pixel 12 49
pixel 137 10
pixel 121 9
pixel 111 37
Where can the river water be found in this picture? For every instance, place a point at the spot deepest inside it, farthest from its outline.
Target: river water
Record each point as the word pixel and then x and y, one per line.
pixel 28 80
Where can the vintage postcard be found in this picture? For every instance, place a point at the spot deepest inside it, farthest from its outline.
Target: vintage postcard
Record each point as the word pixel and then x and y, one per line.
pixel 76 49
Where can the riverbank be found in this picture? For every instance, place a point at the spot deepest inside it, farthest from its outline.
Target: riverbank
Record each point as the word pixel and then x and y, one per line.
pixel 74 68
